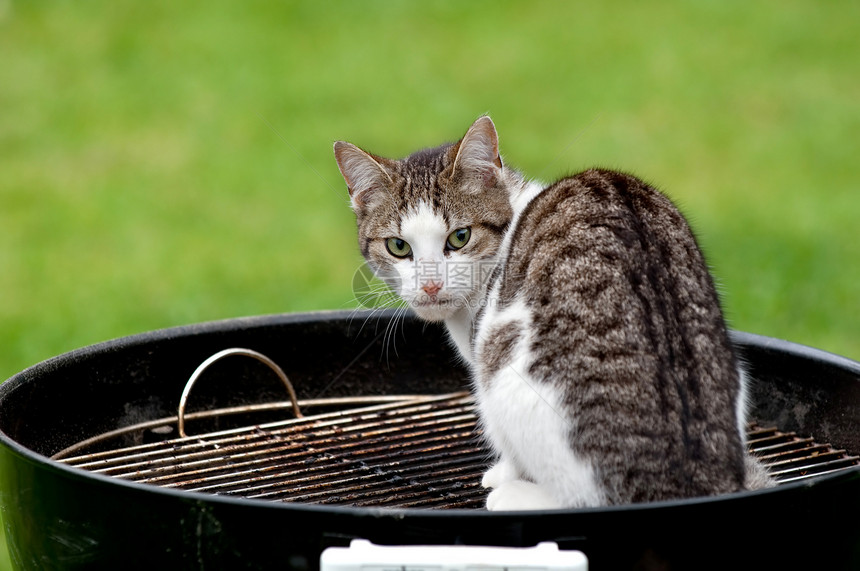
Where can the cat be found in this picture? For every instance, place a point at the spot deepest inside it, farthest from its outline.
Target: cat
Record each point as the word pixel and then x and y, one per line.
pixel 601 363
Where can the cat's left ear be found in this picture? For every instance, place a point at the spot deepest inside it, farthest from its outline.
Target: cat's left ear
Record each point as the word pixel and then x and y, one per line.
pixel 478 154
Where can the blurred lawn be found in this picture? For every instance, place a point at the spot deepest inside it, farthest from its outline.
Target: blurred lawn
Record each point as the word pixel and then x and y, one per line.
pixel 164 163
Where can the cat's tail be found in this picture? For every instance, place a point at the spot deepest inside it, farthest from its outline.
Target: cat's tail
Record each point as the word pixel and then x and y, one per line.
pixel 756 477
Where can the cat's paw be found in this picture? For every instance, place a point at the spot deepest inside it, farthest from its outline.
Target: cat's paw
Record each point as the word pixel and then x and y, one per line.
pixel 515 495
pixel 499 474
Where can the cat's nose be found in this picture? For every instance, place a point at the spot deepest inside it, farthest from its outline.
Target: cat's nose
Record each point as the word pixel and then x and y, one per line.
pixel 431 287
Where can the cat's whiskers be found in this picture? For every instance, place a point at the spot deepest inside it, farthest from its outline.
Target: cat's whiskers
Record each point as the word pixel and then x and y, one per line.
pixel 374 302
pixel 388 302
pixel 390 338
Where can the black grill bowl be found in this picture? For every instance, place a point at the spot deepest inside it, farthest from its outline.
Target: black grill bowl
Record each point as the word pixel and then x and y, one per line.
pixel 59 517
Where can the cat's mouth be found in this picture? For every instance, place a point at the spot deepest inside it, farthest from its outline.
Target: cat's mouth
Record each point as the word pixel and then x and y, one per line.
pixel 438 304
pixel 433 301
pixel 435 308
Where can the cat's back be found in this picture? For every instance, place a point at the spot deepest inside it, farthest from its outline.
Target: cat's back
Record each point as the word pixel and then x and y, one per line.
pixel 625 321
pixel 611 222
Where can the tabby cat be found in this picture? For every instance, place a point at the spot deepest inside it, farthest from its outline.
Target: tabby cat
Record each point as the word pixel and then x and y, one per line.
pixel 601 362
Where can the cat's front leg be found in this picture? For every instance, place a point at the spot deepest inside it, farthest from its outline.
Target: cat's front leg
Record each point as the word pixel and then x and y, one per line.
pixel 503 471
pixel 516 495
pixel 512 492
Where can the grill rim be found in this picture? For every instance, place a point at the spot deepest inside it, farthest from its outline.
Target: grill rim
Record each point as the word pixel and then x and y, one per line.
pixel 743 341
pixel 836 365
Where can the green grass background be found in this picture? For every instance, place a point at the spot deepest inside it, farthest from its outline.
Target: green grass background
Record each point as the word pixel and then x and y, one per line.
pixel 164 163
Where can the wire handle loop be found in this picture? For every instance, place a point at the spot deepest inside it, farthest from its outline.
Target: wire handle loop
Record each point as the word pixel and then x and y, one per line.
pixel 226 353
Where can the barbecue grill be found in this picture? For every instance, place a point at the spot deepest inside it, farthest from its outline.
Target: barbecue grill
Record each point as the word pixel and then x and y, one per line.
pixel 326 435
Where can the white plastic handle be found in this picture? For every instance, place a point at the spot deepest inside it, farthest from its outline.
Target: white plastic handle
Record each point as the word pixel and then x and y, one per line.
pixel 362 555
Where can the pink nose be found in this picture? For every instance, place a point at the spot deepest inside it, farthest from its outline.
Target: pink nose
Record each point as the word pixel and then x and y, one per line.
pixel 431 287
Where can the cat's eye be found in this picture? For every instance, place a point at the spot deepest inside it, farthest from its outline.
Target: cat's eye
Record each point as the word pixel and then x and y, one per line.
pixel 398 248
pixel 459 238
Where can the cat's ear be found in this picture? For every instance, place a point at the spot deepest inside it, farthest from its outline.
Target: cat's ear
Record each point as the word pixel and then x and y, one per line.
pixel 478 154
pixel 364 175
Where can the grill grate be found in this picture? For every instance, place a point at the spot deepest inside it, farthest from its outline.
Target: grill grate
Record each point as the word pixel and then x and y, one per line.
pixel 417 452
pixel 791 458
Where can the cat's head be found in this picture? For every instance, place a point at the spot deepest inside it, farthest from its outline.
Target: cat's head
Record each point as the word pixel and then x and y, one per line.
pixel 431 224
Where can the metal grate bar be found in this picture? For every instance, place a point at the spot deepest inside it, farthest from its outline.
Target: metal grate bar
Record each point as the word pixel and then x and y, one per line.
pixel 790 458
pixel 321 466
pixel 304 450
pixel 305 456
pixel 277 450
pixel 213 445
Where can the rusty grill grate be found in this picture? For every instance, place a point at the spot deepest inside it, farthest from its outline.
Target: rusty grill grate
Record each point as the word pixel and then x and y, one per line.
pixel 416 451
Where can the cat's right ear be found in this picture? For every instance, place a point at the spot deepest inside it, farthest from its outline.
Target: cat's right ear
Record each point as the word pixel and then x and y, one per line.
pixel 478 157
pixel 364 176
